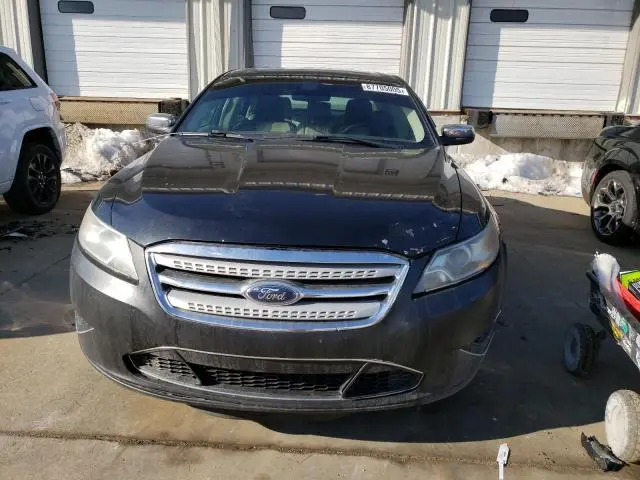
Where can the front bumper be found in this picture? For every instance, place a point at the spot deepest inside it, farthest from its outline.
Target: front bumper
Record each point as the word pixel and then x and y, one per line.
pixel 440 338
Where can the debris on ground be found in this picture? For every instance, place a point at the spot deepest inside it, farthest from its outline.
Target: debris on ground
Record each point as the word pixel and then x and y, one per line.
pixel 9 230
pixel 601 454
pixel 29 229
pixel 523 173
pixel 96 154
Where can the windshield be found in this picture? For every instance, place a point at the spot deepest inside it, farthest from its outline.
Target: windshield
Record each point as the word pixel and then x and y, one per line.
pixel 311 109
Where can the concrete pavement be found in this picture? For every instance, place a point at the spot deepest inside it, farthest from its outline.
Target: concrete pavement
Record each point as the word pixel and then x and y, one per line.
pixel 61 418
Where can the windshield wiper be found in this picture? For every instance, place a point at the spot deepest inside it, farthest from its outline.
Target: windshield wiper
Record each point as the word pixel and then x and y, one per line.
pixel 226 134
pixel 214 134
pixel 349 139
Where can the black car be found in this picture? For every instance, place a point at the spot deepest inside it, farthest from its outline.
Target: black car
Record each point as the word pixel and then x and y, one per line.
pixel 299 242
pixel 611 184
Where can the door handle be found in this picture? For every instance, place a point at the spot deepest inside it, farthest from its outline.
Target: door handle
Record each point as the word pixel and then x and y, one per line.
pixel 4 102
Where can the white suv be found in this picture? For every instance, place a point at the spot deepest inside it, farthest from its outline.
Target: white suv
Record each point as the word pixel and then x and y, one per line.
pixel 32 139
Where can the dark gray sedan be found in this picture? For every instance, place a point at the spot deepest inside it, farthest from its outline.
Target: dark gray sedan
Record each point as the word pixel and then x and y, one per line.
pixel 300 242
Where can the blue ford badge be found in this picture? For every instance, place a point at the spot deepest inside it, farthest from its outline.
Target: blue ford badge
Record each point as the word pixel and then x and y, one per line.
pixel 272 292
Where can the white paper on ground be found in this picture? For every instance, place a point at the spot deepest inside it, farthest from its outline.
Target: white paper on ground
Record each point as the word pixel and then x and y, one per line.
pixel 502 459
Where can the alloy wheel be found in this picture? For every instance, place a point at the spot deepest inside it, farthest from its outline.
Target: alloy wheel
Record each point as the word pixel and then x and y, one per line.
pixel 609 205
pixel 42 179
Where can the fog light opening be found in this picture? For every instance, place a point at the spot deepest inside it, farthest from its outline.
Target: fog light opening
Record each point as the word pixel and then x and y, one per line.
pixel 480 345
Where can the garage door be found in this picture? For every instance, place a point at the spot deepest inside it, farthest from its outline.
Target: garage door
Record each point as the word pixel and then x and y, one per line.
pixel 546 54
pixel 347 34
pixel 116 48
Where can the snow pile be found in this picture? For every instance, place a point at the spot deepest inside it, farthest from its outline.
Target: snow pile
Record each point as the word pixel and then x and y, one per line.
pixel 524 173
pixel 96 154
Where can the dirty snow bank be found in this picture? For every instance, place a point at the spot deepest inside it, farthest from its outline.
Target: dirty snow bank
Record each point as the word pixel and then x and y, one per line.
pixel 523 173
pixel 96 154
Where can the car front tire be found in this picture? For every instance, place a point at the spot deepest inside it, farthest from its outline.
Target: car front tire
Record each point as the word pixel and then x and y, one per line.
pixel 37 183
pixel 614 208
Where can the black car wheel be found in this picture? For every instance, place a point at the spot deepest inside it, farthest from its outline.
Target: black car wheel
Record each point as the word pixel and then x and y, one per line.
pixel 614 208
pixel 580 349
pixel 37 183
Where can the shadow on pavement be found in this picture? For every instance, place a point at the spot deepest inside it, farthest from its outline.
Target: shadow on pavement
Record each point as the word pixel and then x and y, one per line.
pixel 34 270
pixel 522 386
pixel 39 306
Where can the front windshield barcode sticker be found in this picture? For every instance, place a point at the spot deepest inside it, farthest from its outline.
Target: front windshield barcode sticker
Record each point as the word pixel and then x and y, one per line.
pixel 373 87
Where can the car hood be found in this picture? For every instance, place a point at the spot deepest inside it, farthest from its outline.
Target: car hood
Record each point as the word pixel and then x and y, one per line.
pixel 287 193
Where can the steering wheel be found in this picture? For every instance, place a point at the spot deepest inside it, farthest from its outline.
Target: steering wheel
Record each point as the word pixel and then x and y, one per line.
pixel 355 126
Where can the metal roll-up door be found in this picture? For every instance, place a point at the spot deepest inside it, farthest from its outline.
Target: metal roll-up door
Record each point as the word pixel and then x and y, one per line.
pixel 546 54
pixel 340 34
pixel 116 48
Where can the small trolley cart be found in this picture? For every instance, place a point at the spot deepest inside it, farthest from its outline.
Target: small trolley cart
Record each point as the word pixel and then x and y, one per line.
pixel 615 301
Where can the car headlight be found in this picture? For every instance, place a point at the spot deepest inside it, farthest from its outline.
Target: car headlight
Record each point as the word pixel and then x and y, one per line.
pixel 106 246
pixel 463 260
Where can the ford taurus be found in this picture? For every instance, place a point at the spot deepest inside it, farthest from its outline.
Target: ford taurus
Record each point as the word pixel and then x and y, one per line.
pixel 300 241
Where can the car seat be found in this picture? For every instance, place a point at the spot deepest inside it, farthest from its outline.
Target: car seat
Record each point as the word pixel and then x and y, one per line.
pixel 287 109
pixel 269 116
pixel 357 114
pixel 382 125
pixel 318 119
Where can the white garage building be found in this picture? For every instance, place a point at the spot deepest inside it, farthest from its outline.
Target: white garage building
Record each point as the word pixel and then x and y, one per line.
pixel 486 57
pixel 116 48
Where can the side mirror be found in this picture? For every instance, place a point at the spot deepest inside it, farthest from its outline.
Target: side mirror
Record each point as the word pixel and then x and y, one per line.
pixel 457 134
pixel 160 122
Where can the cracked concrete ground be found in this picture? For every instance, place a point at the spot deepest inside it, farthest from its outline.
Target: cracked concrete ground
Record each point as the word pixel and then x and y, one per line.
pixel 61 419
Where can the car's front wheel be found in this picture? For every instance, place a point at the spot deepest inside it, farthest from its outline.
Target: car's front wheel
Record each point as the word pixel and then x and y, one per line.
pixel 37 183
pixel 614 208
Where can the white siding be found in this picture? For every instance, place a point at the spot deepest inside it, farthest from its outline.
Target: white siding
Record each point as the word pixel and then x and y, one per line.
pixel 126 48
pixel 14 28
pixel 569 55
pixel 434 50
pixel 347 34
pixel 216 40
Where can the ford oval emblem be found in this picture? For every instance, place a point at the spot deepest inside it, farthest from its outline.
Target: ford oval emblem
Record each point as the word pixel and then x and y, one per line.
pixel 272 293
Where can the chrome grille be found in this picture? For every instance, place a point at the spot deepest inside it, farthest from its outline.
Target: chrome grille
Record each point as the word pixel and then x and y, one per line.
pixel 233 307
pixel 234 269
pixel 338 289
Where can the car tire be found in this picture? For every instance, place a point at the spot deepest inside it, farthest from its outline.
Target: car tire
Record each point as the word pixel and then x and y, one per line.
pixel 614 208
pixel 37 182
pixel 580 349
pixel 622 424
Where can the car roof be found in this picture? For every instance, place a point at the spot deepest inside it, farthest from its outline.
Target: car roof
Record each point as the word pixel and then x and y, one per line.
pixel 283 74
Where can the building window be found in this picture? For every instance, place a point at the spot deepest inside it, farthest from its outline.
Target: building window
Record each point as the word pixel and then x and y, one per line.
pixel 73 6
pixel 288 13
pixel 12 77
pixel 511 15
